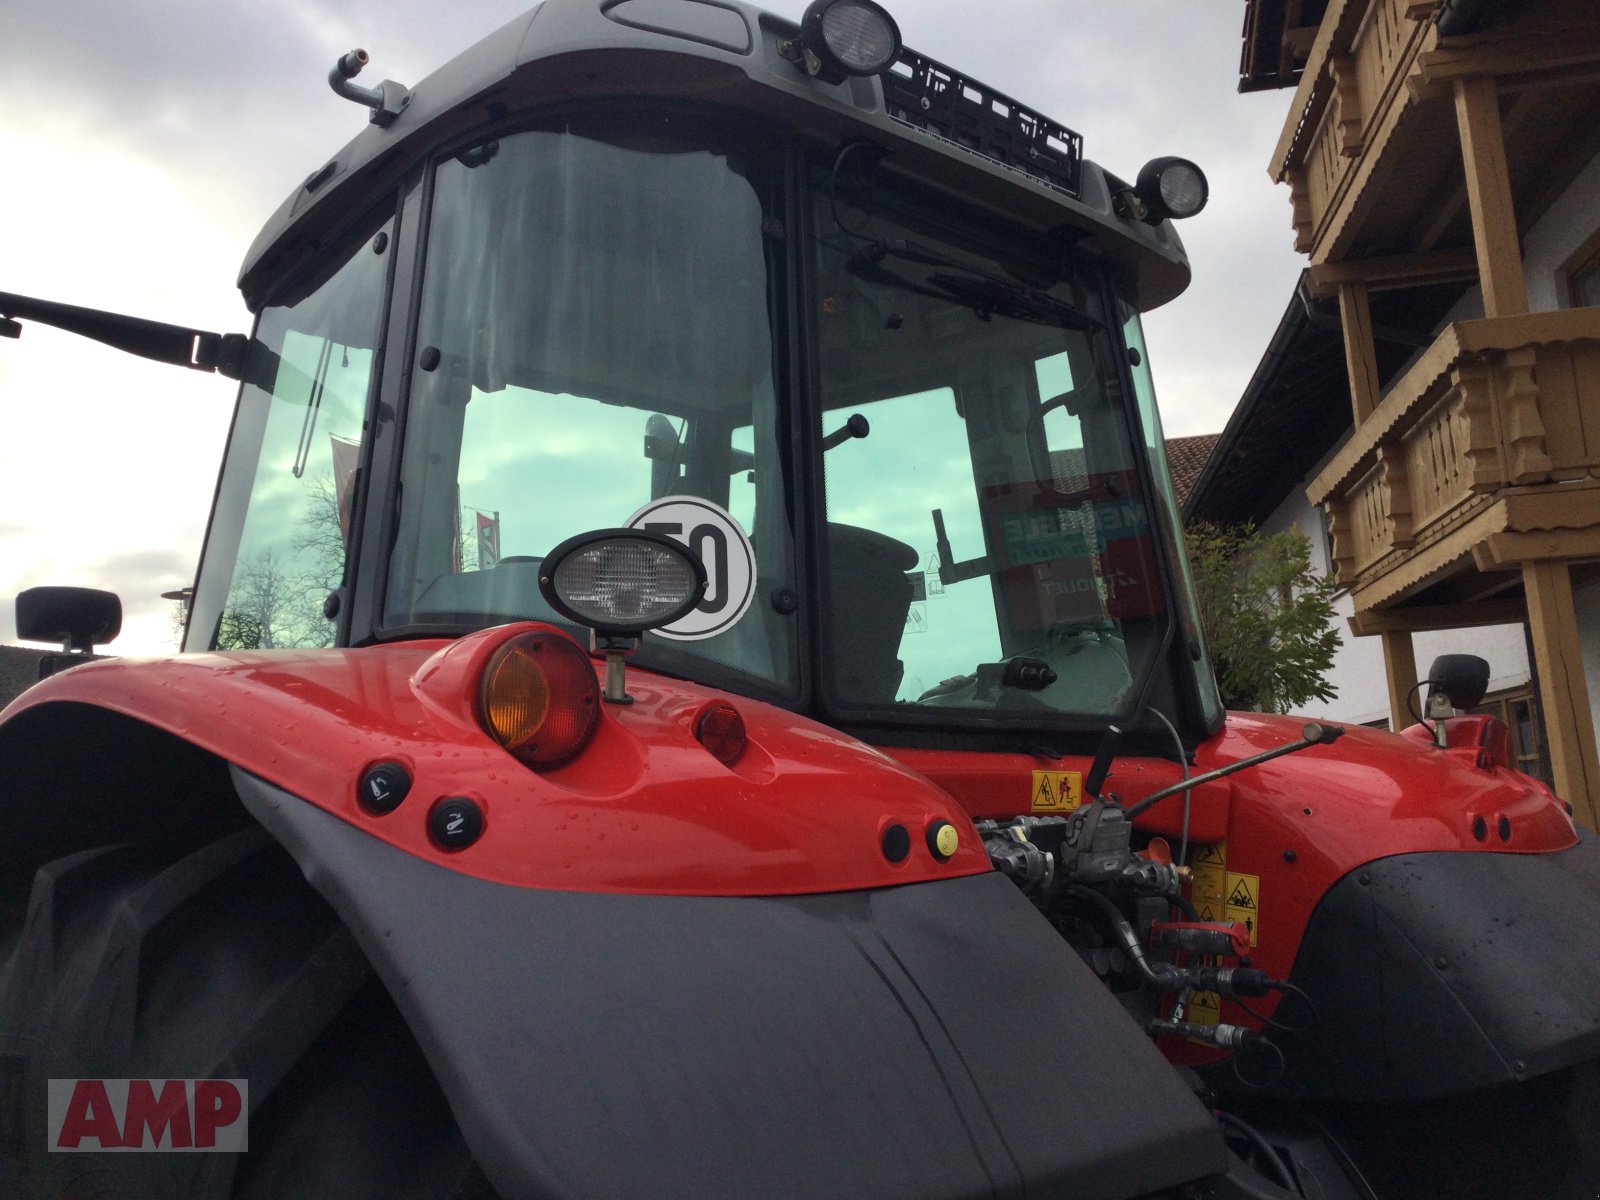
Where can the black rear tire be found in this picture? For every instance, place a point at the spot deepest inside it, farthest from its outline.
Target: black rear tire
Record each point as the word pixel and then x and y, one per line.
pixel 1538 1139
pixel 163 961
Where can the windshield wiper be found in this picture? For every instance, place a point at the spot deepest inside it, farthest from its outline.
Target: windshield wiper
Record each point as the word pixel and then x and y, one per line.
pixel 987 295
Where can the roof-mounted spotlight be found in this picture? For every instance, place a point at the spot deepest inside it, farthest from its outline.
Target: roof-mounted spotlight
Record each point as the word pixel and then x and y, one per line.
pixel 1169 187
pixel 619 583
pixel 839 38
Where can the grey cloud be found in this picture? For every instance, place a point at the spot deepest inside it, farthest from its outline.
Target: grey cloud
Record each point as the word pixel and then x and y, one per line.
pixel 158 570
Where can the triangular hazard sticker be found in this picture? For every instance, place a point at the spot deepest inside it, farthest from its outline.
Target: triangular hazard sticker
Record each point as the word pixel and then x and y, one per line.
pixel 1045 797
pixel 1241 896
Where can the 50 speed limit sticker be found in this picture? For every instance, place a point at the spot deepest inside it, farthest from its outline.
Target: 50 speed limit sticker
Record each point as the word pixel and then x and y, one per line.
pixel 730 561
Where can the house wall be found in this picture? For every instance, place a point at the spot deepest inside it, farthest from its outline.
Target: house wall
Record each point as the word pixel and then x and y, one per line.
pixel 1358 672
pixel 1567 224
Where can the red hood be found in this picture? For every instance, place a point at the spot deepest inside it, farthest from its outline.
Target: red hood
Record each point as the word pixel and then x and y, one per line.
pixel 1372 794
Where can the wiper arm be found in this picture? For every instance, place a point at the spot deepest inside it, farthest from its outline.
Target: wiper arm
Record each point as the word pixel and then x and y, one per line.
pixel 193 348
pixel 985 294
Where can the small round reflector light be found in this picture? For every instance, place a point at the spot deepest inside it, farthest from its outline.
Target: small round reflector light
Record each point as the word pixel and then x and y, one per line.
pixel 720 730
pixel 539 698
pixel 1171 187
pixel 849 37
pixel 622 581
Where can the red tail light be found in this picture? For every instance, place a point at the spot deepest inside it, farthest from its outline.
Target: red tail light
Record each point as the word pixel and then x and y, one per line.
pixel 720 730
pixel 539 699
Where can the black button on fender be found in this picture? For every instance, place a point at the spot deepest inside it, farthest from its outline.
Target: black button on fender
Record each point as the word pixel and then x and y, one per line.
pixel 896 843
pixel 382 787
pixel 455 823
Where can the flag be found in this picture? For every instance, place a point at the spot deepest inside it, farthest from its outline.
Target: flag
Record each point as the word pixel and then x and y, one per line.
pixel 488 541
pixel 346 454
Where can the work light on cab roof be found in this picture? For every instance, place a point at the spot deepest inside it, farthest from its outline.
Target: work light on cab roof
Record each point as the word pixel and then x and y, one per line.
pixel 1170 187
pixel 847 37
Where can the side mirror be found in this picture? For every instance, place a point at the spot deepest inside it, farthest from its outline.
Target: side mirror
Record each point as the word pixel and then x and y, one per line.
pixel 1462 679
pixel 77 618
pixel 662 448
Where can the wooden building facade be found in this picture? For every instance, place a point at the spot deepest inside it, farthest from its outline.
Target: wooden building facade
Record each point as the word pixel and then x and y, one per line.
pixel 1425 141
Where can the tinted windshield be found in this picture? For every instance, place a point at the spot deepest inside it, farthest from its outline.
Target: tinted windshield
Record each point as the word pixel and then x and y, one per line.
pixel 989 543
pixel 595 341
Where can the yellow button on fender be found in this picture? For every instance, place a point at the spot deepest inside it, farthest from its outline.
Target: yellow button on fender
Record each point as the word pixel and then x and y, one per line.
pixel 943 840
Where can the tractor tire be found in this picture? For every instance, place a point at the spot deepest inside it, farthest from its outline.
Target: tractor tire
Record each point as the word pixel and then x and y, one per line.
pixel 165 961
pixel 1533 1139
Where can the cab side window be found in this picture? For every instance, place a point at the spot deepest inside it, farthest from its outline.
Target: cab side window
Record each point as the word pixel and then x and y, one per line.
pixel 278 541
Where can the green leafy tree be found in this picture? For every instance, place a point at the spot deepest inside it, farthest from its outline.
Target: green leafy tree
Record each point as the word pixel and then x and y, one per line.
pixel 1268 615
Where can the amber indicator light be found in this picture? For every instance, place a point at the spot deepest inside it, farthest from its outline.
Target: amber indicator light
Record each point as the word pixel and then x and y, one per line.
pixel 540 699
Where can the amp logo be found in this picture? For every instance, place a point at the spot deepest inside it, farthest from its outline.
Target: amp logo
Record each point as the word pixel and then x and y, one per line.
pixel 186 1115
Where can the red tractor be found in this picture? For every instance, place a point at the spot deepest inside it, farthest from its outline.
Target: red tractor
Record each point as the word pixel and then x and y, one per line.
pixel 693 689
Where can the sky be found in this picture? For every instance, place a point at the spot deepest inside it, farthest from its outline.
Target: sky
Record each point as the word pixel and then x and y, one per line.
pixel 143 145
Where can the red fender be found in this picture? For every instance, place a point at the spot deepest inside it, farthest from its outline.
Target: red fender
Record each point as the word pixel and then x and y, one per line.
pixel 643 809
pixel 1293 826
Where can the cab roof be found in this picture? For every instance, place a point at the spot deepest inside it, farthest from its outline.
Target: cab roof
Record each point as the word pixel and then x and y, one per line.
pixel 723 53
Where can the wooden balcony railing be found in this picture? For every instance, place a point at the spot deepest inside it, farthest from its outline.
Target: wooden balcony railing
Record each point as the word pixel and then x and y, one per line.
pixel 1351 96
pixel 1491 405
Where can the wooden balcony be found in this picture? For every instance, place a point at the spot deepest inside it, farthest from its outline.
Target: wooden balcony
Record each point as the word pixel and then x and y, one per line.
pixel 1483 455
pixel 1418 162
pixel 1370 149
pixel 1350 103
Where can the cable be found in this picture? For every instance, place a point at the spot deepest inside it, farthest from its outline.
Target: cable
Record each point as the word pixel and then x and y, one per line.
pixel 1273 1022
pixel 1271 1077
pixel 833 183
pixel 1411 703
pixel 1188 793
pixel 1166 978
pixel 1272 1158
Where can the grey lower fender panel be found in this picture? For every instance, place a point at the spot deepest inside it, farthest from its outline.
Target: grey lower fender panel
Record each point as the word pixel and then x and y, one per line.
pixel 937 1040
pixel 1440 973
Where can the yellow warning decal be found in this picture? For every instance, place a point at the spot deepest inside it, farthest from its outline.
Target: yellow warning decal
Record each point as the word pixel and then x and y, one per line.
pixel 1210 879
pixel 1204 1008
pixel 1243 900
pixel 1215 855
pixel 1057 791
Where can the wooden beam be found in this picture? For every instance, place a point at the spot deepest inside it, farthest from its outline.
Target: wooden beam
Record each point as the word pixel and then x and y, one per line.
pixel 1440 211
pixel 1574 505
pixel 1513 549
pixel 1437 616
pixel 1360 356
pixel 1563 691
pixel 1396 271
pixel 1530 58
pixel 1494 218
pixel 1400 664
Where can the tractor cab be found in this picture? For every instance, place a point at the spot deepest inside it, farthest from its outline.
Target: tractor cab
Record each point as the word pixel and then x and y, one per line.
pixel 913 442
